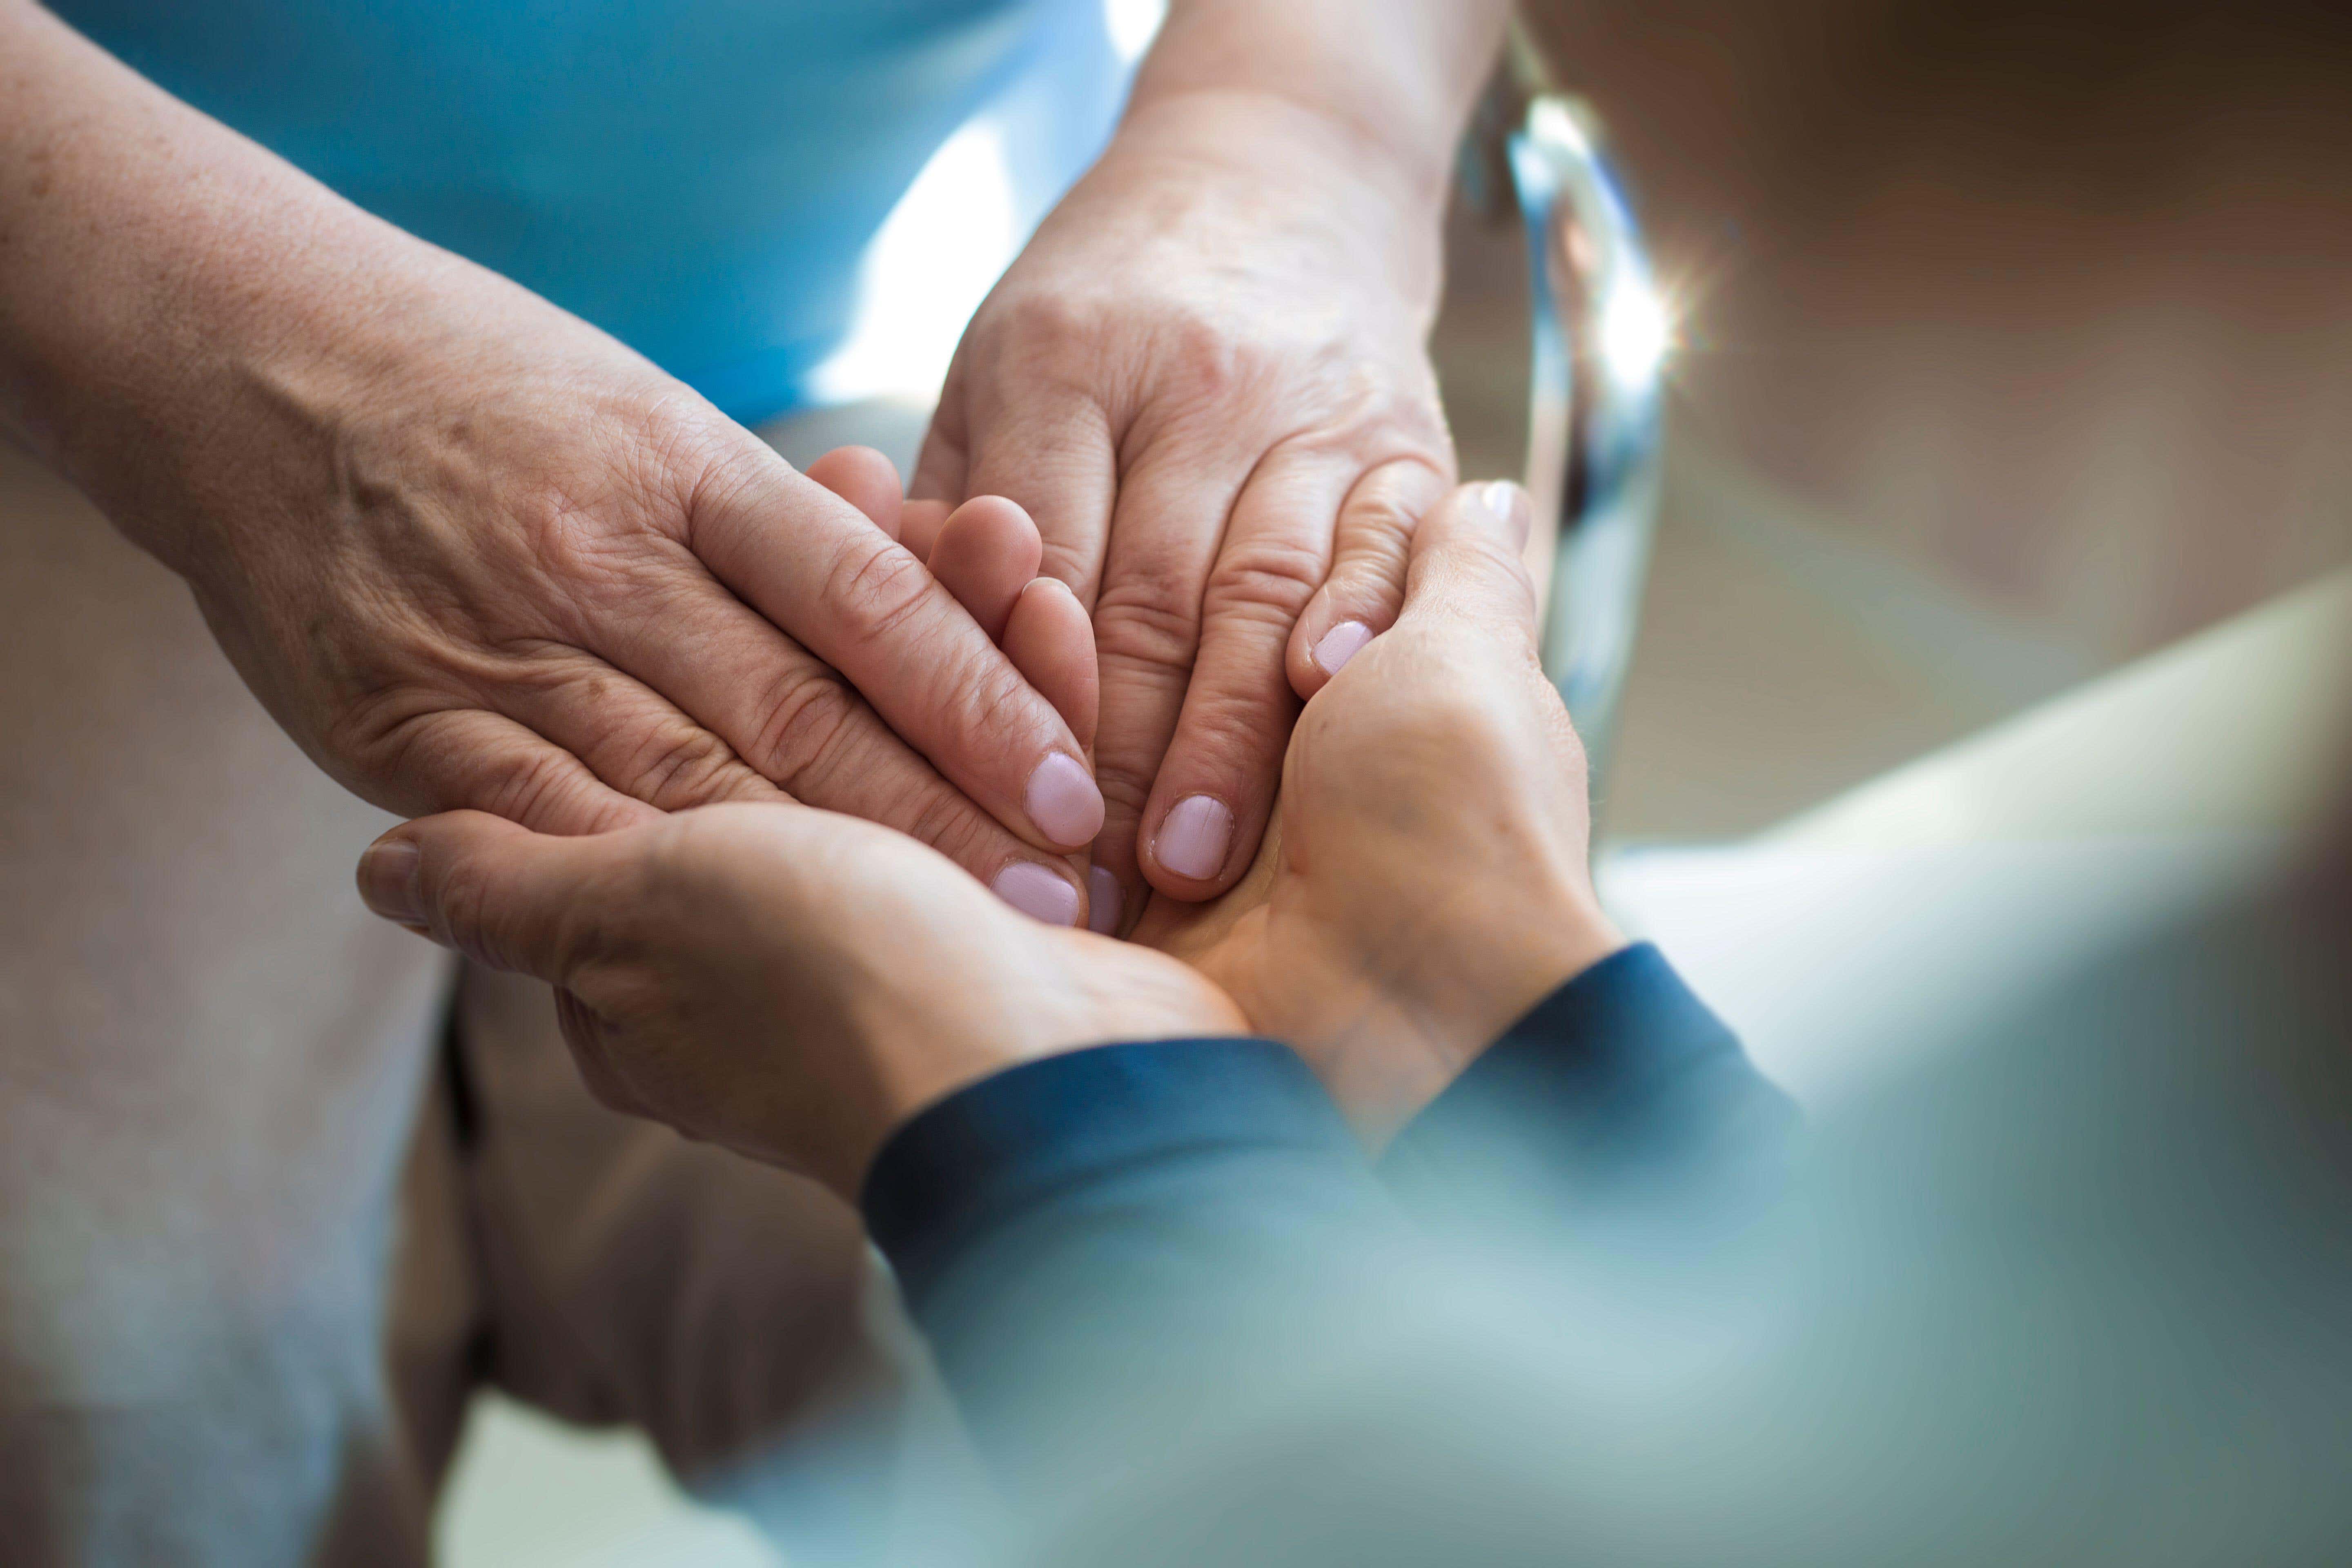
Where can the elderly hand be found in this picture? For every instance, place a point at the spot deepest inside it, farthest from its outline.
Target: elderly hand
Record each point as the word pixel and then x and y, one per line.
pixel 1206 378
pixel 529 574
pixel 1425 881
pixel 797 984
pixel 469 551
pixel 785 982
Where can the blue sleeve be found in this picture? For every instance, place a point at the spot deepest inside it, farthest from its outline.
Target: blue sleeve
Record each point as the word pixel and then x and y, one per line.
pixel 1092 1243
pixel 1620 1092
pixel 1103 1248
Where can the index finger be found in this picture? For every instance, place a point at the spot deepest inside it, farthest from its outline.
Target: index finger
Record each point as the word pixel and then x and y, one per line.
pixel 819 570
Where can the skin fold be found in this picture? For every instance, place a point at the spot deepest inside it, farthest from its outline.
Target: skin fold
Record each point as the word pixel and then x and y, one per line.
pixel 472 552
pixel 1366 802
pixel 1428 884
pixel 1206 378
pixel 468 550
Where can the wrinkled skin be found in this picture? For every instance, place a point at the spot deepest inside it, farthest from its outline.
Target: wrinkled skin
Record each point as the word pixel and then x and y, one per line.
pixel 1427 884
pixel 1205 377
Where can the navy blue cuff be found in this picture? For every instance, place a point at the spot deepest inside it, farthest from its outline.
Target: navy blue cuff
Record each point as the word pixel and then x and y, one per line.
pixel 1621 1069
pixel 964 1169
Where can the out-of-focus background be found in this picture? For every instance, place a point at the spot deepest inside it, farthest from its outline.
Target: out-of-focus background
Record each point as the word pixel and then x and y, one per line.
pixel 2014 347
pixel 2007 493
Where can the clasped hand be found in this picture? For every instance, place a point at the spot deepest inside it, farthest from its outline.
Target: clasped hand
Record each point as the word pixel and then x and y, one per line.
pixel 795 984
pixel 472 554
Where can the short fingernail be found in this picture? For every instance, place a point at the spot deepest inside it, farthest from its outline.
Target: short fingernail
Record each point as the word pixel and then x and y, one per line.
pixel 1064 802
pixel 1194 836
pixel 1103 900
pixel 388 882
pixel 1510 504
pixel 1038 893
pixel 1341 644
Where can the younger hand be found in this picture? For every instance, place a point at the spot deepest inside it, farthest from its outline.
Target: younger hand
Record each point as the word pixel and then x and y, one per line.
pixel 790 982
pixel 786 981
pixel 1425 881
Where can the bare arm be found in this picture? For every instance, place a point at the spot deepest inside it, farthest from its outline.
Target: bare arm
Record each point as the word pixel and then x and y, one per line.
pixel 469 550
pixel 1397 78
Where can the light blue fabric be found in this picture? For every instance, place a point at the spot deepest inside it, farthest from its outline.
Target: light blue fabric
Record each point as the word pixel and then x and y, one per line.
pixel 698 177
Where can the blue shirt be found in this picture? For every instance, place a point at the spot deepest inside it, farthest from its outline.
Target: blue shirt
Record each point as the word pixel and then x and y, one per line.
pixel 1097 1244
pixel 698 177
pixel 2076 1289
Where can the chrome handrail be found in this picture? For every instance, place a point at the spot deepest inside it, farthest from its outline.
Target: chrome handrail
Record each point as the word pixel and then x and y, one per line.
pixel 1595 416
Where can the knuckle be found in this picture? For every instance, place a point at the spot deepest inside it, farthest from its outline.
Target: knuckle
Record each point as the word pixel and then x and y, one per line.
pixel 569 543
pixel 1212 362
pixel 1126 772
pixel 1068 561
pixel 1149 618
pixel 1505 567
pixel 528 785
pixel 1044 341
pixel 1126 781
pixel 1148 702
pixel 681 767
pixel 721 488
pixel 461 903
pixel 876 588
pixel 980 712
pixel 944 819
pixel 804 723
pixel 1380 516
pixel 389 733
pixel 1045 316
pixel 1235 740
pixel 1270 573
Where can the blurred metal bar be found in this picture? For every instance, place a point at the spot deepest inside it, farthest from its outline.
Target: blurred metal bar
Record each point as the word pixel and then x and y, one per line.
pixel 1595 416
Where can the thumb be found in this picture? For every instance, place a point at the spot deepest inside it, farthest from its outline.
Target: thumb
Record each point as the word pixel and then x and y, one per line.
pixel 498 892
pixel 1467 567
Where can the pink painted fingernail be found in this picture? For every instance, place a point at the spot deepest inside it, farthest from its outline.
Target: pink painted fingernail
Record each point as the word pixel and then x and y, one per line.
pixel 1038 893
pixel 1064 802
pixel 1103 900
pixel 1341 644
pixel 1194 836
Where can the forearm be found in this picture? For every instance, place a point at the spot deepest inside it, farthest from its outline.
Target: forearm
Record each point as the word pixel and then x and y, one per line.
pixel 1103 1248
pixel 174 299
pixel 1618 1093
pixel 1394 79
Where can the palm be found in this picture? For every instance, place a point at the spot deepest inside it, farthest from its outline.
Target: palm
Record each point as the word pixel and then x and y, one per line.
pixel 1409 900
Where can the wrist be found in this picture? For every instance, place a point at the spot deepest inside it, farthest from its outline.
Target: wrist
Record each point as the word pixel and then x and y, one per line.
pixel 1497 962
pixel 1067 992
pixel 1294 174
pixel 1392 81
pixel 1248 125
